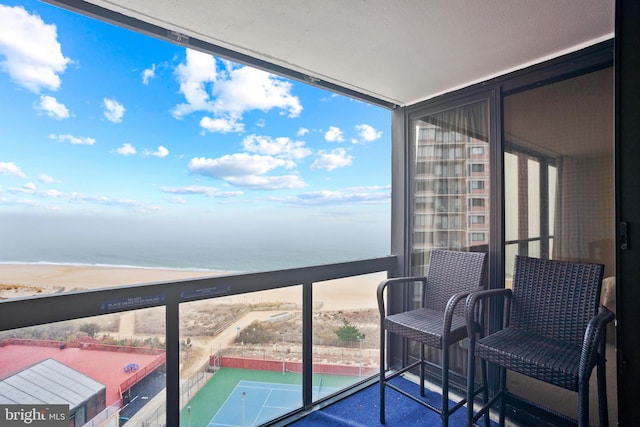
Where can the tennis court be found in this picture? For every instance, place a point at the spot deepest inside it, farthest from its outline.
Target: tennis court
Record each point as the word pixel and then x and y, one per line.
pixel 252 403
pixel 268 395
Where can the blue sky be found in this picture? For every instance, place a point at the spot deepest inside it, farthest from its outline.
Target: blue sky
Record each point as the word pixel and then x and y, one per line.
pixel 100 121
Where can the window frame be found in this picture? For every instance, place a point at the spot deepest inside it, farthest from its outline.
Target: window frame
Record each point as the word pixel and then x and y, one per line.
pixel 545 161
pixel 592 58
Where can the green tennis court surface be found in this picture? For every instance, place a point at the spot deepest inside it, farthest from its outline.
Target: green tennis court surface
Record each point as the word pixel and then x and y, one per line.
pixel 253 403
pixel 268 395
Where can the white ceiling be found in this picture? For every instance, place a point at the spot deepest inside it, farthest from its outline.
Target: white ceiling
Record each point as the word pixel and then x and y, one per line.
pixel 400 51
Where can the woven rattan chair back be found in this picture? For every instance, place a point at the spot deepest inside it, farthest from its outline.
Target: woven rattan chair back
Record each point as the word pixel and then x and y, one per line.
pixel 451 272
pixel 555 299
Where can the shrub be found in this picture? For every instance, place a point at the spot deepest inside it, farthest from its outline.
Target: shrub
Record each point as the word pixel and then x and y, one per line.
pixel 256 333
pixel 348 332
pixel 90 329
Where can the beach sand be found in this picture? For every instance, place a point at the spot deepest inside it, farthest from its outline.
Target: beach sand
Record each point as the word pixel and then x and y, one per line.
pixel 20 280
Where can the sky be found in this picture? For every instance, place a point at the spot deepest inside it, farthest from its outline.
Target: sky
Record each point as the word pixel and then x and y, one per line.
pixel 101 122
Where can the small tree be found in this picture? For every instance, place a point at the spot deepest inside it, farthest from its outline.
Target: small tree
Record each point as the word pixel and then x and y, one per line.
pixel 90 329
pixel 256 333
pixel 348 332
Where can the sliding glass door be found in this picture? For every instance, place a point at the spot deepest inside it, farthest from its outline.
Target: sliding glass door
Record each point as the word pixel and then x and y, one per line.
pixel 559 193
pixel 451 172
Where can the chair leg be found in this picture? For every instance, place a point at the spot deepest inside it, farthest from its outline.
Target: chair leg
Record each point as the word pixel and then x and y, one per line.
pixel 502 392
pixel 382 373
pixel 603 407
pixel 583 402
pixel 485 392
pixel 422 370
pixel 471 375
pixel 444 412
pixel 471 382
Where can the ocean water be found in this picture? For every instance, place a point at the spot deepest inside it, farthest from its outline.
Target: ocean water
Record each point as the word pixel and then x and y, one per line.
pixel 184 245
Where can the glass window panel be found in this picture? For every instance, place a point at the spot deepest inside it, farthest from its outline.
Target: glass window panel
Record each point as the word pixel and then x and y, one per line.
pixel 562 135
pixel 346 332
pixel 534 249
pixel 511 196
pixel 459 177
pixel 234 351
pixel 575 151
pixel 533 191
pixel 553 176
pixel 104 367
pixel 510 252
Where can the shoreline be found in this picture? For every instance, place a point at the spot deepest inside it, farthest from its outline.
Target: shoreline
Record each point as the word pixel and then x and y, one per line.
pixel 141 267
pixel 28 279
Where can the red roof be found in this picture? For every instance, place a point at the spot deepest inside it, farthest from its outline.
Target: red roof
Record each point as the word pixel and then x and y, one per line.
pixel 106 367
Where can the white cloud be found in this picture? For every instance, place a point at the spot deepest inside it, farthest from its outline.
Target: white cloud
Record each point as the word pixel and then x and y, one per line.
pixel 279 147
pixel 368 133
pixel 113 110
pixel 191 189
pixel 239 164
pixel 10 169
pixel 249 88
pixel 126 149
pixel 268 182
pixel 370 188
pixel 302 132
pixel 76 140
pixel 161 152
pixel 201 189
pixel 47 179
pixel 337 158
pixel 345 196
pixel 194 75
pixel 247 170
pixel 334 134
pixel 229 92
pixel 102 200
pixel 177 200
pixel 221 125
pixel 53 108
pixel 32 54
pixel 148 74
pixel 31 190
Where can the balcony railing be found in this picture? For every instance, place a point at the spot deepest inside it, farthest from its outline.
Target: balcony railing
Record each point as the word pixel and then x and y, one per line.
pixel 46 309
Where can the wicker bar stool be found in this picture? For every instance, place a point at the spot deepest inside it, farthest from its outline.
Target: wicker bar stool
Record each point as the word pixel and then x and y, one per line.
pixel 553 330
pixel 439 322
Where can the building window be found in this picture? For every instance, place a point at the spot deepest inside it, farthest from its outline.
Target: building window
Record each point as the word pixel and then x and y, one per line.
pixel 477 219
pixel 477 185
pixel 450 135
pixel 477 203
pixel 426 134
pixel 477 237
pixel 425 151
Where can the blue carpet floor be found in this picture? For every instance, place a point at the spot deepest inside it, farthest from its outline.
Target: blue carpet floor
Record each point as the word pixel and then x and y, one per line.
pixel 363 410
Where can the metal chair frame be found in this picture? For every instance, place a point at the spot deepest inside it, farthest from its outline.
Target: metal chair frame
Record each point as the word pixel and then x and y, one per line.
pixel 438 323
pixel 553 329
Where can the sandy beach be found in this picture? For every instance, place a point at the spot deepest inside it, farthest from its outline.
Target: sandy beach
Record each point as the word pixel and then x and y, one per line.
pixel 19 280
